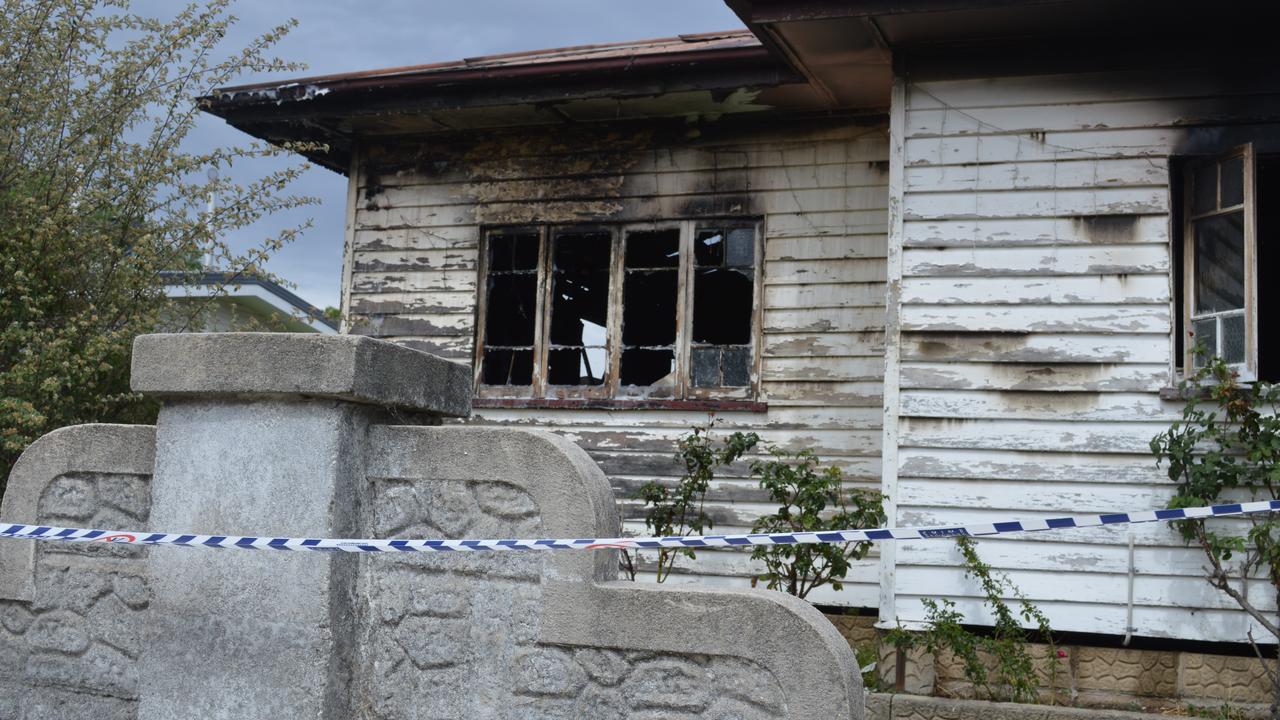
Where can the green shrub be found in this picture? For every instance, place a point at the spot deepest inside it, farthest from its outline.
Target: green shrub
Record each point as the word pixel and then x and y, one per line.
pixel 672 511
pixel 810 500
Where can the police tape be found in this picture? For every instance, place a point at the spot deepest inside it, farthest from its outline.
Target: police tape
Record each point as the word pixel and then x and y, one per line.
pixel 246 542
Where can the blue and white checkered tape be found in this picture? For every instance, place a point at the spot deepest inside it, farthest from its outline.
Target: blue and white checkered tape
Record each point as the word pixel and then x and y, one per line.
pixel 248 542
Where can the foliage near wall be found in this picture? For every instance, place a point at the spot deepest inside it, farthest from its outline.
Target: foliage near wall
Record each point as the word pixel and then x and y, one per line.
pixel 1225 450
pixel 99 196
pixel 810 498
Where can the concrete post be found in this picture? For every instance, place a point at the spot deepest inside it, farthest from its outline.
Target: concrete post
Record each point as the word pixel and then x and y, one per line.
pixel 263 433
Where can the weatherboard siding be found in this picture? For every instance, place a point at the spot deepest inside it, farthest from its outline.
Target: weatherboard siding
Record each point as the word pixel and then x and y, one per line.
pixel 820 189
pixel 1036 322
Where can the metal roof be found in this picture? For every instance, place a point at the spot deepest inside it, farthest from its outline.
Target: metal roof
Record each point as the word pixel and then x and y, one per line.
pixel 578 57
pixel 707 74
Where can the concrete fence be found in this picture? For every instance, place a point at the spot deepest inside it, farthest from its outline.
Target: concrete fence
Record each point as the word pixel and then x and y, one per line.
pixel 336 436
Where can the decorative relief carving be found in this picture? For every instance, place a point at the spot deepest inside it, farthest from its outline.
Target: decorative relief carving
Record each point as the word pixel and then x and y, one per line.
pixel 81 636
pixel 452 642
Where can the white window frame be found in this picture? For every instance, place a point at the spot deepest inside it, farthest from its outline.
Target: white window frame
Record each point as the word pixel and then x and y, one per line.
pixel 1248 370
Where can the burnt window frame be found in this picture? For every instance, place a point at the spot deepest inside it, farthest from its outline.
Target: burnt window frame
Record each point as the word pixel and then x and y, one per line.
pixel 681 388
pixel 1249 368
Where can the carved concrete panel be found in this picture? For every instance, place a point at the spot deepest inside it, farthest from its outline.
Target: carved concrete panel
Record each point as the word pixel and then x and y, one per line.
pixel 70 646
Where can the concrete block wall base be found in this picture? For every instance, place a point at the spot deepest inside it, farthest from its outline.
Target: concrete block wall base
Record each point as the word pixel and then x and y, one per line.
pixel 1159 681
pixel 889 706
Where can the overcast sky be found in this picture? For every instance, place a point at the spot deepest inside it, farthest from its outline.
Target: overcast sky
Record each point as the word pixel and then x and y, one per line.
pixel 338 36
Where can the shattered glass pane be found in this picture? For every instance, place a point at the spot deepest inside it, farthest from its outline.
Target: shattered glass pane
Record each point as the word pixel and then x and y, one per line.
pixel 649 307
pixel 573 251
pixel 513 251
pixel 1204 189
pixel 740 250
pixel 580 287
pixel 706 367
pixel 511 309
pixel 576 366
pixel 722 307
pixel 1219 258
pixel 579 308
pixel 708 248
pixel 736 367
pixel 1232 175
pixel 507 367
pixel 653 249
pixel 642 366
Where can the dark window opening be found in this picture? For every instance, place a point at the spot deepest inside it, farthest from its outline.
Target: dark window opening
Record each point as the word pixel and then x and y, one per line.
pixel 1268 240
pixel 647 312
pixel 653 249
pixel 650 299
pixel 723 306
pixel 579 308
pixel 512 296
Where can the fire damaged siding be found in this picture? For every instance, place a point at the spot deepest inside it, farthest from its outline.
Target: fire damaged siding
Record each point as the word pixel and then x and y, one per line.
pixel 819 190
pixel 1036 319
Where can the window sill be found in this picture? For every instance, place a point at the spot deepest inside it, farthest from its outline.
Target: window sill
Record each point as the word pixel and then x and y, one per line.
pixel 748 406
pixel 1180 394
pixel 1205 392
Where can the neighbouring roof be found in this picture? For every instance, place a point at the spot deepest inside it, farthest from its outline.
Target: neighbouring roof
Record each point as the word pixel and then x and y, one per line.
pixel 708 74
pixel 258 295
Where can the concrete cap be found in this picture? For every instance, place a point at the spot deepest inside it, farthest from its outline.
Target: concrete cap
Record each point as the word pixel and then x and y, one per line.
pixel 344 367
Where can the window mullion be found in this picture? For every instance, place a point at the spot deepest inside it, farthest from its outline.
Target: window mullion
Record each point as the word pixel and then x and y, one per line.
pixel 1250 266
pixel 482 300
pixel 542 321
pixel 757 314
pixel 613 337
pixel 684 311
pixel 1188 276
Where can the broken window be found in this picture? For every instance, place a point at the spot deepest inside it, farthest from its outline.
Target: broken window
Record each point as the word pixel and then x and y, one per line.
pixel 723 305
pixel 650 295
pixel 663 310
pixel 579 307
pixel 512 291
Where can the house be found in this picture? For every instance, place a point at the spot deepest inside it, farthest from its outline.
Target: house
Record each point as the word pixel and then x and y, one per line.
pixel 234 302
pixel 953 246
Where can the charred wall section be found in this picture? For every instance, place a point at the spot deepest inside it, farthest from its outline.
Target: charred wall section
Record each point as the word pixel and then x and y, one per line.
pixel 817 186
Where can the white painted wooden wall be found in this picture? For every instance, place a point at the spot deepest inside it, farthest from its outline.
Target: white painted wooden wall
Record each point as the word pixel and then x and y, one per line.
pixel 821 190
pixel 1036 333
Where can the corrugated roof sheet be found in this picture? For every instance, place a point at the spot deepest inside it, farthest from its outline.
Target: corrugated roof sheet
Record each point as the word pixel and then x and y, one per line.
pixel 578 54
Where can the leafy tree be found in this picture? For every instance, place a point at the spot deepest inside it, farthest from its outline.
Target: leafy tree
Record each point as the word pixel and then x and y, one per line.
pixel 810 500
pixel 1227 448
pixel 671 511
pixel 99 197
